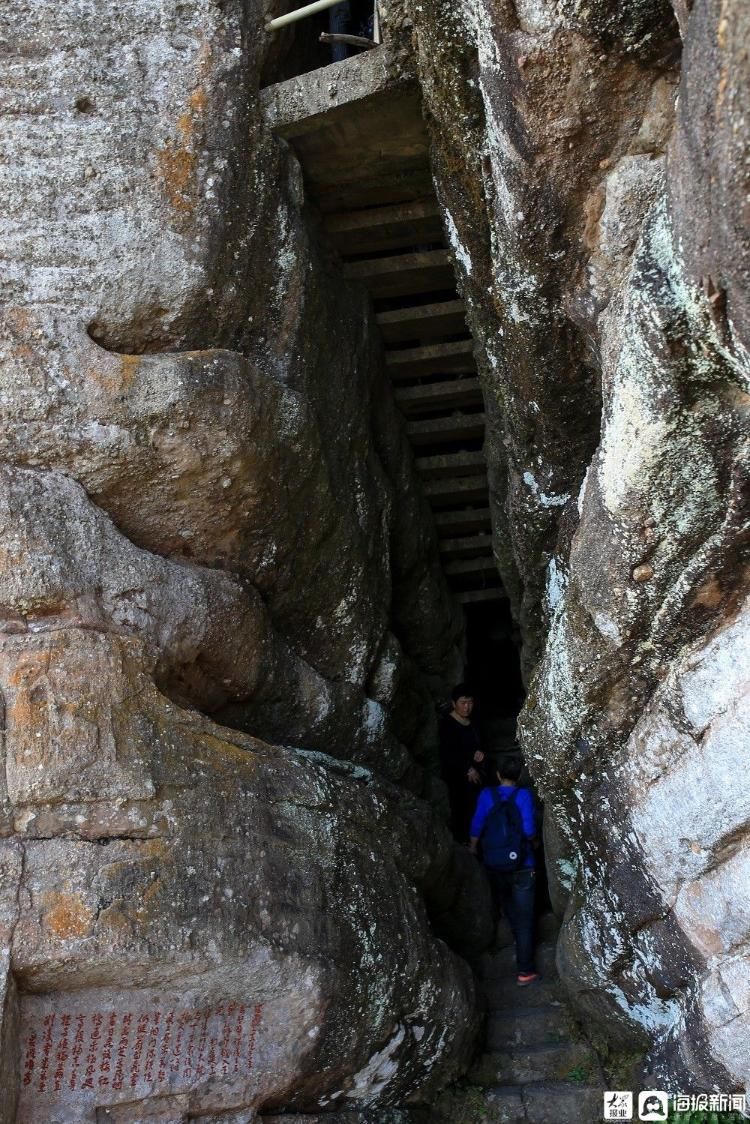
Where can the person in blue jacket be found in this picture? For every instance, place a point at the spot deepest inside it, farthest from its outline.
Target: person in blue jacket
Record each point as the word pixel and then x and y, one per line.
pixel 513 890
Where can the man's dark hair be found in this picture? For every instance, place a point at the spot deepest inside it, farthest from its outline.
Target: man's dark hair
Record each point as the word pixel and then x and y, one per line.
pixel 462 690
pixel 510 768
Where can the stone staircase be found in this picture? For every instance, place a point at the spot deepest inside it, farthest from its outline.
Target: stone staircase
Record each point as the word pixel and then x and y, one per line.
pixel 358 132
pixel 536 1066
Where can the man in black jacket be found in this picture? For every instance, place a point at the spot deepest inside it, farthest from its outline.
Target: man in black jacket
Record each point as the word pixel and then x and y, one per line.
pixel 462 761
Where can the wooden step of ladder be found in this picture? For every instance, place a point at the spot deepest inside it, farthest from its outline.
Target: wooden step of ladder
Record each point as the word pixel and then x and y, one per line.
pixel 473 596
pixel 446 491
pixel 471 567
pixel 404 274
pixel 451 464
pixel 467 545
pixel 386 228
pixel 458 523
pixel 454 427
pixel 423 321
pixel 454 358
pixel 439 395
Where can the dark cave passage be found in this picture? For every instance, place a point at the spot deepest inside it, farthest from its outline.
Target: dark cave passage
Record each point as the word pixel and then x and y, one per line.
pixel 364 152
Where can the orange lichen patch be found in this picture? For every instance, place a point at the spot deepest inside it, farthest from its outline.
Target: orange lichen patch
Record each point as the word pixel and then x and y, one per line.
pixel 176 170
pixel 28 681
pixel 23 351
pixel 115 373
pixel 176 162
pixel 198 100
pixel 227 758
pixel 115 921
pixel 708 595
pixel 197 103
pixel 19 320
pixel 31 664
pixel 128 369
pixel 67 916
pixel 148 904
pixel 593 208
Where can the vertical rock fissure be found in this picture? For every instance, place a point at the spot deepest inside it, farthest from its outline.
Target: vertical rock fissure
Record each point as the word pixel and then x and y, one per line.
pixel 317 398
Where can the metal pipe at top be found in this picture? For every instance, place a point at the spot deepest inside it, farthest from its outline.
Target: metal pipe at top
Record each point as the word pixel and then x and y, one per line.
pixel 300 13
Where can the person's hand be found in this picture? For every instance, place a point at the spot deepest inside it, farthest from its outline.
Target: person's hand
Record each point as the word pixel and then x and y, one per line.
pixel 478 756
pixel 473 776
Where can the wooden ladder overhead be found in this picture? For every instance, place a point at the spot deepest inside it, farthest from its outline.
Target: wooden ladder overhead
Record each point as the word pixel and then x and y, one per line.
pixel 363 147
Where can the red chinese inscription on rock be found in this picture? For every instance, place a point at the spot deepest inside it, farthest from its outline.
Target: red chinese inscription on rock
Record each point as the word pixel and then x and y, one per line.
pixel 111 1054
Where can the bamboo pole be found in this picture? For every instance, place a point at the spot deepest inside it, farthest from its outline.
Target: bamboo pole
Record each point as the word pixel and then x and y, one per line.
pixel 349 40
pixel 300 14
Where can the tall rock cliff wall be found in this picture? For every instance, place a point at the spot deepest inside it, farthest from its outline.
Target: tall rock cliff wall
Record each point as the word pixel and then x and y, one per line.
pixel 210 530
pixel 176 342
pixel 592 166
pixel 212 536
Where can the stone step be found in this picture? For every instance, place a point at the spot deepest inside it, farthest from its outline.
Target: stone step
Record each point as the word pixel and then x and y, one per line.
pixel 345 1116
pixel 466 546
pixel 455 427
pixel 386 228
pixel 453 358
pixel 300 105
pixel 488 593
pixel 543 1102
pixel 548 1102
pixel 448 491
pixel 404 274
pixel 502 993
pixel 467 519
pixel 442 318
pixel 469 567
pixel 438 395
pixel 503 962
pixel 393 178
pixel 573 1062
pixel 528 1026
pixel 451 464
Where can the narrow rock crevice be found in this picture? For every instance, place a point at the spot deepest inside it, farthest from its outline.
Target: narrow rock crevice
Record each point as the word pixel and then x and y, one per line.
pixel 326 386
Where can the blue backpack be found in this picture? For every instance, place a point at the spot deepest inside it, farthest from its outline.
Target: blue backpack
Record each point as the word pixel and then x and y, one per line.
pixel 503 840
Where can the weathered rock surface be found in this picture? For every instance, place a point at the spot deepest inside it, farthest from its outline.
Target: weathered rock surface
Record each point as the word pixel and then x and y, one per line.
pixel 248 448
pixel 184 906
pixel 208 505
pixel 602 240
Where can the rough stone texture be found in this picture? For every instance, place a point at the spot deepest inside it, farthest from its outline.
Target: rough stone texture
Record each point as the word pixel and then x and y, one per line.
pixel 142 230
pixel 178 876
pixel 9 1055
pixel 208 507
pixel 602 243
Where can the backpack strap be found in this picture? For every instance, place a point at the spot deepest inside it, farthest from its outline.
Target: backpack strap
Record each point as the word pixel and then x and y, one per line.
pixel 497 799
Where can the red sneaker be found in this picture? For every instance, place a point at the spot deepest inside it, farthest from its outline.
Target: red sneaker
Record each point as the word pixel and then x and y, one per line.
pixel 526 978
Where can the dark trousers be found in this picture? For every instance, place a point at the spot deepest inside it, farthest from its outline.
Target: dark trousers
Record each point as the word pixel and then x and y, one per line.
pixel 338 24
pixel 463 800
pixel 513 895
